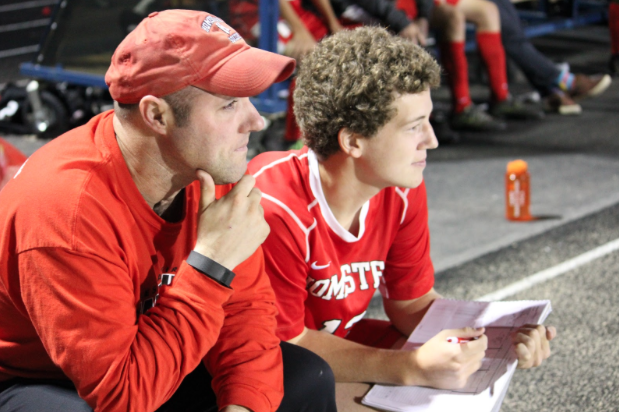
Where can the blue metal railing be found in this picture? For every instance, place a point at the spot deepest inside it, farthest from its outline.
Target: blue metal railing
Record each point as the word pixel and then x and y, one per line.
pixel 268 101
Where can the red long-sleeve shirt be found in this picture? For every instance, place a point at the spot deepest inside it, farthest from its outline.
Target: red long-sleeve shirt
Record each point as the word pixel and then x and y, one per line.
pixel 84 271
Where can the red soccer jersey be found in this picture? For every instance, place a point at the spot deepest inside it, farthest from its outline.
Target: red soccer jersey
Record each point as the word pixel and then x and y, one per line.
pixel 323 276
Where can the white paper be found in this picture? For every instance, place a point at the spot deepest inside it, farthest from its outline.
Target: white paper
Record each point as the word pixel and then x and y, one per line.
pixel 487 387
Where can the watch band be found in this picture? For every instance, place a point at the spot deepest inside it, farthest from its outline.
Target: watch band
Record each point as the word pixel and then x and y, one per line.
pixel 210 268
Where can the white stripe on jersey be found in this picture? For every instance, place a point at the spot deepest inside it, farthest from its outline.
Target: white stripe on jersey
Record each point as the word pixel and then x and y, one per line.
pixel 306 230
pixel 311 205
pixel 276 162
pixel 403 194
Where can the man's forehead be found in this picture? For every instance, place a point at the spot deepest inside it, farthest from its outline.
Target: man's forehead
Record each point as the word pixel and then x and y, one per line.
pixel 410 106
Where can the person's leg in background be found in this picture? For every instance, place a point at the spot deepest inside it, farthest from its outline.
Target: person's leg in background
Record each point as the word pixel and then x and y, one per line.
pixel 449 18
pixel 453 58
pixel 538 69
pixel 451 26
pixel 485 16
pixel 558 87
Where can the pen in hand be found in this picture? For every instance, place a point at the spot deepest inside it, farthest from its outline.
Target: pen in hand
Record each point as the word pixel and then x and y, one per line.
pixel 454 339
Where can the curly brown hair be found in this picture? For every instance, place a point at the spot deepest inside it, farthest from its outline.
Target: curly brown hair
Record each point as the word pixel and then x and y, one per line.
pixel 350 81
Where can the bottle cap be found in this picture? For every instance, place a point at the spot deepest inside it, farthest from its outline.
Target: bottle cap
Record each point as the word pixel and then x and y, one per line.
pixel 517 167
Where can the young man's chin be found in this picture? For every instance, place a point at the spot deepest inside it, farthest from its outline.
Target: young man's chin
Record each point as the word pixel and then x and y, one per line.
pixel 411 184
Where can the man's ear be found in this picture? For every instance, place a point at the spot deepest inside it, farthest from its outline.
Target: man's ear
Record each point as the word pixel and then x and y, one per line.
pixel 351 143
pixel 156 114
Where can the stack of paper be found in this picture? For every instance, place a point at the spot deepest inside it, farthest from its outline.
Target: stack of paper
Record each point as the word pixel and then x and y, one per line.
pixel 487 387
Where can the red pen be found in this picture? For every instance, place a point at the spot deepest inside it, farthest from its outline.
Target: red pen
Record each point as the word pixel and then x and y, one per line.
pixel 454 339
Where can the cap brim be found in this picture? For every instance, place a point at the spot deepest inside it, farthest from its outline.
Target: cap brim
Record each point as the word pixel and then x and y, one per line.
pixel 248 73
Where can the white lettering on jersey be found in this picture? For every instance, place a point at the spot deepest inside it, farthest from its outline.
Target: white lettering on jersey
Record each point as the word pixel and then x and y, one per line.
pixel 341 288
pixel 361 268
pixel 330 326
pixel 355 320
pixel 318 293
pixel 377 267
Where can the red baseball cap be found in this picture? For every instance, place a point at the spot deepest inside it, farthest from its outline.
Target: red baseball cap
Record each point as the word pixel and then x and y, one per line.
pixel 173 49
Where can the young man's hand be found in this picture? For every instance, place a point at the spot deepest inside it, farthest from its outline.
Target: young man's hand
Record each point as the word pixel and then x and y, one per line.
pixel 232 228
pixel 445 365
pixel 532 344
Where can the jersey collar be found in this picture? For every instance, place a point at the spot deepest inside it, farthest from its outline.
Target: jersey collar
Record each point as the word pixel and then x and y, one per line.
pixel 327 214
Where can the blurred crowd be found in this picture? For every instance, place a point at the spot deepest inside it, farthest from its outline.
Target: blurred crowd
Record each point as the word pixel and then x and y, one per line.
pixel 443 24
pixel 444 27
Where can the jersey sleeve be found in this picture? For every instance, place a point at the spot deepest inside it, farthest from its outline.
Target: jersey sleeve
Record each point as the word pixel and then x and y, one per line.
pixel 82 307
pixel 287 270
pixel 409 273
pixel 246 362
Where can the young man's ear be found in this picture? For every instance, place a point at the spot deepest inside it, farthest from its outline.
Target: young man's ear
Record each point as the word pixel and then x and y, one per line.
pixel 156 114
pixel 351 143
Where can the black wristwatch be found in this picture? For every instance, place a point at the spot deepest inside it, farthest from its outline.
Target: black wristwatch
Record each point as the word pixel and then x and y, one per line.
pixel 210 268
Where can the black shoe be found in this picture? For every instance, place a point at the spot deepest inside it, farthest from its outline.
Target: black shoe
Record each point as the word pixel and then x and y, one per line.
pixel 514 109
pixel 475 119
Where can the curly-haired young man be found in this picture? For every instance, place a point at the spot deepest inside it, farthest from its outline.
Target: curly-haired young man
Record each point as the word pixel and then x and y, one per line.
pixel 348 216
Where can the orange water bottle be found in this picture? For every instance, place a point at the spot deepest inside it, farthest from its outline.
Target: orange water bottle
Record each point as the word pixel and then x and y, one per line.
pixel 517 191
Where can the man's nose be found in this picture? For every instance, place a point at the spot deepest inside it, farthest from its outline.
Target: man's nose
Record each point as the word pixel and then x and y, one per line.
pixel 430 141
pixel 253 121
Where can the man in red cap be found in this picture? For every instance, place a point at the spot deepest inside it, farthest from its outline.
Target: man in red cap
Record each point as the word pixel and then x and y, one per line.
pixel 131 273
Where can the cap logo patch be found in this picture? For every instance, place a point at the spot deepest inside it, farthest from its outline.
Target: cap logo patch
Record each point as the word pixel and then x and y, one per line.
pixel 207 25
